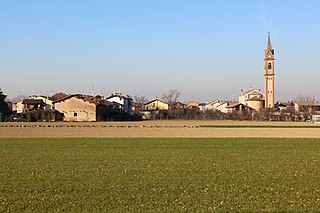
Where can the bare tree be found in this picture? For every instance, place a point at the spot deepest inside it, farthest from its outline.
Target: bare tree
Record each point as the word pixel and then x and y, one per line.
pixel 306 106
pixel 306 102
pixel 171 97
pixel 140 101
pixel 18 98
pixel 305 99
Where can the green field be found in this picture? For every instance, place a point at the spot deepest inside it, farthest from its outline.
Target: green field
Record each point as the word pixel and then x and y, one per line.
pixel 163 175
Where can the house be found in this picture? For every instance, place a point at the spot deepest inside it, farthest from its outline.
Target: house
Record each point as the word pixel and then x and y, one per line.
pixel 112 111
pixel 252 98
pixel 178 105
pixel 29 105
pixel 37 102
pixel 48 104
pixel 212 105
pixel 223 107
pixel 280 106
pixel 192 104
pixel 239 107
pixel 156 104
pixel 18 107
pixel 88 108
pixel 76 108
pixel 58 96
pixel 202 107
pixel 124 101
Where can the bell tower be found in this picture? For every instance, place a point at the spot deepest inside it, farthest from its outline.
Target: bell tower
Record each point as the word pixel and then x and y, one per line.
pixel 269 74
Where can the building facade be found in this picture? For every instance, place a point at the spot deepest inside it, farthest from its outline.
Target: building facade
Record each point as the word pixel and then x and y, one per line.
pixel 192 104
pixel 125 101
pixel 156 105
pixel 212 105
pixel 252 98
pixel 76 108
pixel 269 75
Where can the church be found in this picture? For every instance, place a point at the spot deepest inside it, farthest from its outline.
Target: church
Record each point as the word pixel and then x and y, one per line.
pixel 255 99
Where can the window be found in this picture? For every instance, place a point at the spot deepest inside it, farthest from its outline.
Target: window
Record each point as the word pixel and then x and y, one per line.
pixel 269 66
pixel 75 114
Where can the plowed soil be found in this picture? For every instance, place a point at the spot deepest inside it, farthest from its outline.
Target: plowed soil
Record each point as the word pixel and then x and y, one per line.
pixel 161 129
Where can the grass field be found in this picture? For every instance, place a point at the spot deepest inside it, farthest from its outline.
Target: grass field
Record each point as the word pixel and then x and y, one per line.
pixel 164 175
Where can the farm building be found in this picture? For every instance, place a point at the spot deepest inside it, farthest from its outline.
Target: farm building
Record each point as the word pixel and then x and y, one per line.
pixel 89 108
pixel 76 108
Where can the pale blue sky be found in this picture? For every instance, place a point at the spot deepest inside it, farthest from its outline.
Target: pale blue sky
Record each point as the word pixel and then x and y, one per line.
pixel 207 49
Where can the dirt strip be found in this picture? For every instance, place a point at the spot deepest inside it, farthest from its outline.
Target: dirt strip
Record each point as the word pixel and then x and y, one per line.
pixel 162 129
pixel 155 123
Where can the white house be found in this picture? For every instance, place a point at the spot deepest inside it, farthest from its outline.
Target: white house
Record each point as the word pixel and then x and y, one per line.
pixel 213 105
pixel 223 107
pixel 125 101
pixel 202 107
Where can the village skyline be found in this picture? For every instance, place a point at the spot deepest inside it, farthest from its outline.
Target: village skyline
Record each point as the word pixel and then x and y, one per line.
pixel 207 50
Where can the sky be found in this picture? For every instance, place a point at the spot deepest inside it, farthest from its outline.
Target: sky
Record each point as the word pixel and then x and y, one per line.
pixel 206 49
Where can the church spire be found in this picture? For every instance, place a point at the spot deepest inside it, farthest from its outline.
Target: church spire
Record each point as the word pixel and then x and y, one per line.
pixel 269 75
pixel 269 46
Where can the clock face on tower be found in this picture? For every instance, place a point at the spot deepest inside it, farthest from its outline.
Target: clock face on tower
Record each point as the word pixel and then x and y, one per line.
pixel 269 56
